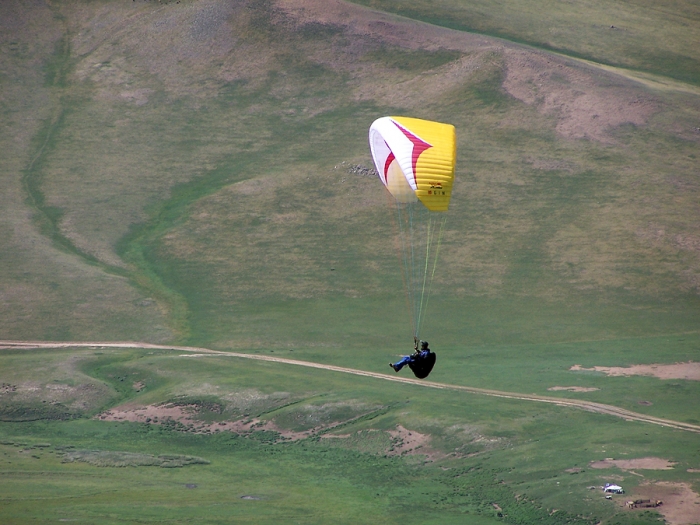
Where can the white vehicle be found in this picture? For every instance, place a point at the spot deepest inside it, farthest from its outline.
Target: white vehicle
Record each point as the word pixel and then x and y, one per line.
pixel 611 488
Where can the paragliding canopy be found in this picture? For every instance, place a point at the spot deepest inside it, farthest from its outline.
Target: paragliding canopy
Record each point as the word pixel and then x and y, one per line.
pixel 415 160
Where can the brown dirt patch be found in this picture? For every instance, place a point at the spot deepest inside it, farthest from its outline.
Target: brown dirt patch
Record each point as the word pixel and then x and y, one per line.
pixel 376 29
pixel 408 441
pixel 573 388
pixel 575 95
pixel 155 413
pixel 79 397
pixel 681 506
pixel 186 415
pixel 614 478
pixel 7 388
pixel 629 464
pixel 386 27
pixel 689 370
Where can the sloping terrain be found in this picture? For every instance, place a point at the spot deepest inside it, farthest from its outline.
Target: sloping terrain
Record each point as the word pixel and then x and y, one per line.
pixel 614 34
pixel 213 142
pixel 197 173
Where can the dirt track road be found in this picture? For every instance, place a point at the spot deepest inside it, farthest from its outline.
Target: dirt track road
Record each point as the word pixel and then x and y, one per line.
pixel 599 408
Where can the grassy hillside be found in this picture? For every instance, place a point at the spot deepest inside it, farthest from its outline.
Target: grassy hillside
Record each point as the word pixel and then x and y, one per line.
pixel 334 454
pixel 194 172
pixel 48 292
pixel 617 34
pixel 207 169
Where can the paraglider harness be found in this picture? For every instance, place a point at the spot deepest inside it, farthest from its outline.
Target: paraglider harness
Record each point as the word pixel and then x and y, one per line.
pixel 421 365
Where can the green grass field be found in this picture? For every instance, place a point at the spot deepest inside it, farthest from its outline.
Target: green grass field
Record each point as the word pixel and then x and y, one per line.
pixel 502 448
pixel 187 173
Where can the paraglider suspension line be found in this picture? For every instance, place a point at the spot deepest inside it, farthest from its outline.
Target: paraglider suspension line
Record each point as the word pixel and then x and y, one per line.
pixel 405 240
pixel 424 309
pixel 417 225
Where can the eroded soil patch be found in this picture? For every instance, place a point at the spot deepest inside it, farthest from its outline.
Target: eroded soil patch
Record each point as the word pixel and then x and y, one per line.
pixel 185 418
pixel 398 442
pixel 630 464
pixel 584 106
pixel 681 506
pixel 689 370
pixel 573 388
pixel 407 441
pixel 109 458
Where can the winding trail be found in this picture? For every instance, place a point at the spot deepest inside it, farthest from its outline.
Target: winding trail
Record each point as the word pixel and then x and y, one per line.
pixel 192 351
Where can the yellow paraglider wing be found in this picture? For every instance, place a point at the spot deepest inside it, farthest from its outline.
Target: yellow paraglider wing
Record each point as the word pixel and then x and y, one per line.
pixel 432 156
